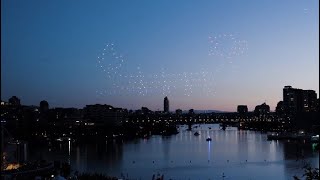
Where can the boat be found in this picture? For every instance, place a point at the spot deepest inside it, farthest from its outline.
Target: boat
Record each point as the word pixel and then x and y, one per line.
pixel 208 139
pixel 28 169
pixel 196 134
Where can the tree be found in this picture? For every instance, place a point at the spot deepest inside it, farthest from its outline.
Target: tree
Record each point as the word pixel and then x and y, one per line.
pixel 309 173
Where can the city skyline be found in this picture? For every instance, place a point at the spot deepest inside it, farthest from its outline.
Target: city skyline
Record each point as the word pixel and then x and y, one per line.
pixel 205 56
pixel 294 100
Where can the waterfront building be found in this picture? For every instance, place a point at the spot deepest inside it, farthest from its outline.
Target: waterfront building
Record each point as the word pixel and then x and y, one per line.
pixel 299 100
pixel 280 108
pixel 262 109
pixel 309 100
pixel 242 109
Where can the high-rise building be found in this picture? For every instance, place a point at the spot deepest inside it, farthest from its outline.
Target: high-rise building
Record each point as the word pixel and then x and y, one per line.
pixel 292 99
pixel 299 100
pixel 309 101
pixel 44 112
pixel 166 105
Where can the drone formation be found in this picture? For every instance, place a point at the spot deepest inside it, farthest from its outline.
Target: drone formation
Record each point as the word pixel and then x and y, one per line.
pixel 119 80
pixel 227 46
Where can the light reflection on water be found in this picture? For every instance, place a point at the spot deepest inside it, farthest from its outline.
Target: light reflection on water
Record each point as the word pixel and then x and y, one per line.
pixel 235 153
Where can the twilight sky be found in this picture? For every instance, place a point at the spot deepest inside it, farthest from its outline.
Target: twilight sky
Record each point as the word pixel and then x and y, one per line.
pixel 210 54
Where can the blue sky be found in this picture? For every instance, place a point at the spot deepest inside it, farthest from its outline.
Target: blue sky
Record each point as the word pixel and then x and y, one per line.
pixel 50 52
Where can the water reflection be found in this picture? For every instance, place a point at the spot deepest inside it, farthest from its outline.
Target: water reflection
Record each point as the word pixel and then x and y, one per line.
pixel 166 147
pixel 69 150
pixel 209 151
pixel 236 153
pixel 296 151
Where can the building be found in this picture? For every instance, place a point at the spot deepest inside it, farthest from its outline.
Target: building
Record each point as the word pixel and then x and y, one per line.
pixel 299 100
pixel 104 114
pixel 242 109
pixel 14 100
pixel 309 98
pixel 292 99
pixel 178 112
pixel 3 103
pixel 44 106
pixel 44 115
pixel 145 110
pixel 166 105
pixel 280 108
pixel 262 109
pixel 191 112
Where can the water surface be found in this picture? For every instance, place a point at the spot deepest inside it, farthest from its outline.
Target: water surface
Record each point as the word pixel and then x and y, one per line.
pixel 235 153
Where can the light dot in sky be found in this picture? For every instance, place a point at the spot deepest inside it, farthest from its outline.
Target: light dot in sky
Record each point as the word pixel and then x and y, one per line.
pixel 121 84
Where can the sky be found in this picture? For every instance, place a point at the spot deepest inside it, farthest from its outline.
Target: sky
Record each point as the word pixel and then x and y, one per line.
pixel 205 55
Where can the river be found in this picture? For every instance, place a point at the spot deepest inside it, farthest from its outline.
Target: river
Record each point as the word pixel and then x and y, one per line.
pixel 233 153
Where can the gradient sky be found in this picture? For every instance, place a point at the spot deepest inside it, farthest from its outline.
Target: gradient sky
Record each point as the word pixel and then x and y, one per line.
pixel 49 50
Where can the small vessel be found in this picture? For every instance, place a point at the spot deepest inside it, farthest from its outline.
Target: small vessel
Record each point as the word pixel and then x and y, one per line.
pixel 196 134
pixel 208 139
